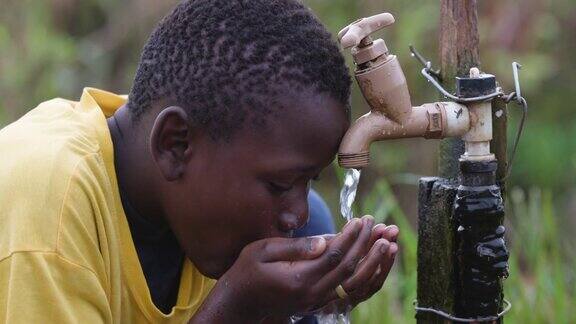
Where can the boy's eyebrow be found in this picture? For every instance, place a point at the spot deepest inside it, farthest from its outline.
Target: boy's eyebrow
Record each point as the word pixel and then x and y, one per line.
pixel 301 169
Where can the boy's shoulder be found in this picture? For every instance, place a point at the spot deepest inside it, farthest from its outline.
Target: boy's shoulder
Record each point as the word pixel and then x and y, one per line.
pixel 52 174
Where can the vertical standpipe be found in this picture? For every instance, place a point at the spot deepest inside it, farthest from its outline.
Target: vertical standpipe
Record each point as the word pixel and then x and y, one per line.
pixel 482 257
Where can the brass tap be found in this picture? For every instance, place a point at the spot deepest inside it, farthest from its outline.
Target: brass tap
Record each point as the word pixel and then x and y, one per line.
pixel 383 85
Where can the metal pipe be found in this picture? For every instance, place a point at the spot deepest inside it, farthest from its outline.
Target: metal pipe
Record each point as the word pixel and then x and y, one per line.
pixel 432 120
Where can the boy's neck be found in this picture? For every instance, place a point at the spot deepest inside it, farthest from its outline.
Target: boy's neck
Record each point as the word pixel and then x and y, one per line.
pixel 134 172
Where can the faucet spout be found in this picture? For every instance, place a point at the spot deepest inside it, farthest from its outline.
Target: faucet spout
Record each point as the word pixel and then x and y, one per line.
pixel 431 120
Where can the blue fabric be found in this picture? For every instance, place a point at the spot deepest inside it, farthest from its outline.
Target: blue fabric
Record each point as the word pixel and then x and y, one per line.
pixel 320 219
pixel 320 222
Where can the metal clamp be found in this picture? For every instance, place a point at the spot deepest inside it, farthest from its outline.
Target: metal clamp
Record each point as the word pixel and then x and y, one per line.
pixel 451 317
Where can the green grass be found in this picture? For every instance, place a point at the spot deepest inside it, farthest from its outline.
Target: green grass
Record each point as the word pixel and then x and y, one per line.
pixel 542 283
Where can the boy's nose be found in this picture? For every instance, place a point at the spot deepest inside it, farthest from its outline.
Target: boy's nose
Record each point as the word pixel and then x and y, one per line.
pixel 290 221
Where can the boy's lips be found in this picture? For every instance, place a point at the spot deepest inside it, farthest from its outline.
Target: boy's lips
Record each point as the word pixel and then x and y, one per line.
pixel 282 234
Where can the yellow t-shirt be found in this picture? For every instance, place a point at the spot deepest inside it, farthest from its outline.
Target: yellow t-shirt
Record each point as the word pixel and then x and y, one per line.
pixel 66 253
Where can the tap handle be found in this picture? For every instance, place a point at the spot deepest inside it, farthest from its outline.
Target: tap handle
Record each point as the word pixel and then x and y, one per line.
pixel 356 32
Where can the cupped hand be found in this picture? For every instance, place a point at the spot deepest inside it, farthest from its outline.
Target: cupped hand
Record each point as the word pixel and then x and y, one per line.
pixel 283 276
pixel 370 272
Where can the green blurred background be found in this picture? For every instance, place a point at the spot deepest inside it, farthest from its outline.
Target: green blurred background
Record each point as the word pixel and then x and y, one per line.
pixel 54 48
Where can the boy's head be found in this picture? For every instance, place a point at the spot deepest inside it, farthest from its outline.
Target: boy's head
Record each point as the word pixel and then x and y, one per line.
pixel 243 102
pixel 225 62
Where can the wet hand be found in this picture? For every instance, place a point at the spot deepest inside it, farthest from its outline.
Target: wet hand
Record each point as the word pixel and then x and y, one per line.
pixel 365 266
pixel 281 276
pixel 371 271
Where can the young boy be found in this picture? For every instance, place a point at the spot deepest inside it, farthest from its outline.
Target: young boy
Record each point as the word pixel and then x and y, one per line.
pixel 123 211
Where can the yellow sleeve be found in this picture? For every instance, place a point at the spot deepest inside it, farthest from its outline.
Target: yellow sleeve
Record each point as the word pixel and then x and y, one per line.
pixel 43 287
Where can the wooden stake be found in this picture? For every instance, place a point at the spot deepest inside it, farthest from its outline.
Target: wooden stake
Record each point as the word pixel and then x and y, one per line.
pixel 437 240
pixel 458 53
pixel 436 247
pixel 499 143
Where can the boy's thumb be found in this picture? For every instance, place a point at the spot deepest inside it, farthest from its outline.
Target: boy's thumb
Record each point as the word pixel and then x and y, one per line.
pixel 294 249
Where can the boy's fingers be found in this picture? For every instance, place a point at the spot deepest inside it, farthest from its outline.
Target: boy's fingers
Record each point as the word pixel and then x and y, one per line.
pixel 357 284
pixel 369 223
pixel 340 245
pixel 368 267
pixel 292 249
pixel 377 233
pixel 331 253
pixel 328 237
pixel 306 248
pixel 374 284
pixel 378 279
pixel 391 233
pixel 346 262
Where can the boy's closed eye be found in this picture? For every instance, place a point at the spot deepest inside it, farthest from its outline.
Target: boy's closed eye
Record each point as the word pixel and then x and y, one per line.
pixel 280 187
pixel 285 185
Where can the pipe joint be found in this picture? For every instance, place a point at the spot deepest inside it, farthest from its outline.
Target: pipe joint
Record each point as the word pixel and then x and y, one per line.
pixel 477 139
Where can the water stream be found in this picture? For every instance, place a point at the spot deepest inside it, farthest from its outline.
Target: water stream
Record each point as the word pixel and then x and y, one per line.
pixel 347 196
pixel 348 193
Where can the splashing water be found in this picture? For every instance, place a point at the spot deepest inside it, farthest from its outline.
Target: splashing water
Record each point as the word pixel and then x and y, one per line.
pixel 348 193
pixel 347 196
pixel 326 318
pixel 334 318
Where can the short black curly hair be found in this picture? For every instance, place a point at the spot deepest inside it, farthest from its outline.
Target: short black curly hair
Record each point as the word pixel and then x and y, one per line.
pixel 224 60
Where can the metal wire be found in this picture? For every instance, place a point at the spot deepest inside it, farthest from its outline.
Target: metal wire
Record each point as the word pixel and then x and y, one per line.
pixel 459 319
pixel 524 105
pixel 433 76
pixel 425 63
pixel 515 67
pixel 425 72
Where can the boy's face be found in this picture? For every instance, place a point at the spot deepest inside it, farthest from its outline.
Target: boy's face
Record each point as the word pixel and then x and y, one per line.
pixel 256 185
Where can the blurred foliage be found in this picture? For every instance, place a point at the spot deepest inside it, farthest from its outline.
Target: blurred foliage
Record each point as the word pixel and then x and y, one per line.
pixel 54 48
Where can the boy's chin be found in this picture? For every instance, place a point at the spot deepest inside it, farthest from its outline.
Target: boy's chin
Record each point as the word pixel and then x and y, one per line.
pixel 215 269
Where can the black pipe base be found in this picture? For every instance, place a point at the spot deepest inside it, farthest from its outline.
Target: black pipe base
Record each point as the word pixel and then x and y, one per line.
pixel 482 254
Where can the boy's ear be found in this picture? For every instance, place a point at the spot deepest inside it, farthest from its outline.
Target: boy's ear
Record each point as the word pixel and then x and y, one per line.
pixel 170 142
